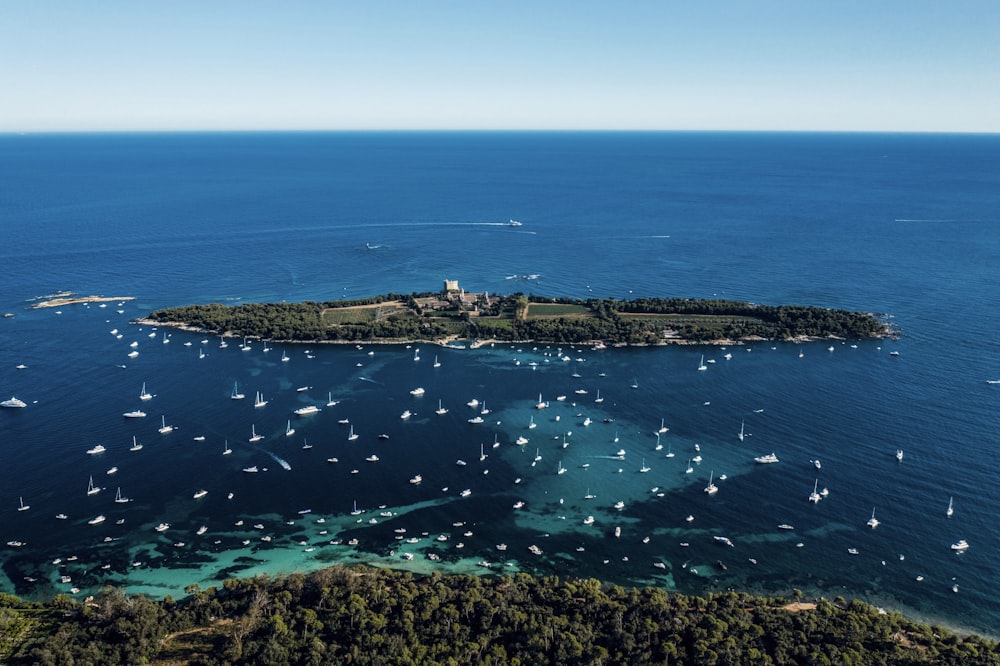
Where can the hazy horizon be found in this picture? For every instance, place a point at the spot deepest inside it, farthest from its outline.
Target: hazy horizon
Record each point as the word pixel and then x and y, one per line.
pixel 894 66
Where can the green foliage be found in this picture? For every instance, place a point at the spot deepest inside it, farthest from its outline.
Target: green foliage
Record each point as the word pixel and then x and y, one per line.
pixel 372 616
pixel 640 321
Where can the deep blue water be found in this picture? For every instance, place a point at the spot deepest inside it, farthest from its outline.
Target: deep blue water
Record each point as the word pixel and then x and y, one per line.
pixel 904 225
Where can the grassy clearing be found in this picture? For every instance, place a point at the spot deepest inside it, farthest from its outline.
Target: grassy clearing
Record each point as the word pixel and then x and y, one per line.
pixel 556 310
pixel 363 314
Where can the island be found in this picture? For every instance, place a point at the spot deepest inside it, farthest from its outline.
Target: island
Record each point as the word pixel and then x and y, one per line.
pixel 454 314
pixel 369 615
pixel 69 298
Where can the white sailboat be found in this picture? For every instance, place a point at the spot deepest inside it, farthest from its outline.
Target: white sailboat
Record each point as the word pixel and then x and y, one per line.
pixel 814 496
pixel 711 488
pixel 741 435
pixel 330 402
pixel 352 435
pixel 701 365
pixel 440 410
pixel 22 506
pixel 254 437
pixel 259 400
pixel 598 398
pixel 119 498
pixel 226 450
pixel 164 428
pixel 91 488
pixel 236 395
pixel 951 509
pixel 873 521
pixel 289 430
pixel 136 446
pixel 437 364
pixel 143 394
pixel 560 469
pixel 644 468
pixel 284 357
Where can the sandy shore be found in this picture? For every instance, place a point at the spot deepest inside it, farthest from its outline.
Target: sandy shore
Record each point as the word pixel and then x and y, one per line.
pixel 69 299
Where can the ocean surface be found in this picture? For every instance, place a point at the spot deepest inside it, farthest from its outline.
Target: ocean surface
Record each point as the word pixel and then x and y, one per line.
pixel 905 226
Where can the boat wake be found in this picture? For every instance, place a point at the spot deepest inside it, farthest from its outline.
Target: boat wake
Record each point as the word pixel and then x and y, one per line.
pixel 368 379
pixel 284 463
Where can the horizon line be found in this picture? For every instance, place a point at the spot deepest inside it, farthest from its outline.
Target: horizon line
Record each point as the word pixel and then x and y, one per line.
pixel 488 131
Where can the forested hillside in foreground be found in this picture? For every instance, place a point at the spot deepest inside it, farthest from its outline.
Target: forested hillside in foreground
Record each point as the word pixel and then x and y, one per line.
pixel 365 615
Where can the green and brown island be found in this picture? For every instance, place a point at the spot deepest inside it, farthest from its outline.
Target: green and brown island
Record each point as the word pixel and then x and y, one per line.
pixel 451 315
pixel 364 615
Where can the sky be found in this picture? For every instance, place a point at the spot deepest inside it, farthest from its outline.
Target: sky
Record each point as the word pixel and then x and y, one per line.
pixel 798 65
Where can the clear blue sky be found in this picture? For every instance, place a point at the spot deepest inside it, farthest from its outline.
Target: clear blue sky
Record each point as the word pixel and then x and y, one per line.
pixel 898 65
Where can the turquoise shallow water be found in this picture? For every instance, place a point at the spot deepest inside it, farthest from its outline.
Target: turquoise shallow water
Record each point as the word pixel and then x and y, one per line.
pixel 894 224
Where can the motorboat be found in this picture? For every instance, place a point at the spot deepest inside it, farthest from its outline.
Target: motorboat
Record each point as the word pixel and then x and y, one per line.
pixel 13 403
pixel 769 458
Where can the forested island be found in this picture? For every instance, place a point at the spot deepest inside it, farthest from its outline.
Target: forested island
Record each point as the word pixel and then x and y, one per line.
pixel 453 315
pixel 365 615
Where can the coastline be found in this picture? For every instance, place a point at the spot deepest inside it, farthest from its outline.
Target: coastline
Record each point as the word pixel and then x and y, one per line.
pixel 456 342
pixel 69 299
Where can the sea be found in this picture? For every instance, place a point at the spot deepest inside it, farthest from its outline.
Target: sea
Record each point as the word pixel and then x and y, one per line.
pixel 608 479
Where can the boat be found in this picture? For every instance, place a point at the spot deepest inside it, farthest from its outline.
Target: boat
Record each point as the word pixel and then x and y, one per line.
pixel 702 366
pixel 514 223
pixel 236 395
pixel 465 493
pixel 589 520
pixel 899 454
pixel 91 488
pixel 852 551
pixel 14 403
pixel 162 527
pixel 406 414
pixel 741 435
pixel 201 530
pixel 560 469
pixel 351 436
pixel 199 494
pixel 284 357
pixel 541 404
pixel 259 400
pixel 598 398
pixel 521 440
pixel 476 419
pixel 873 521
pixel 136 446
pixel 289 430
pixel 726 541
pixel 330 402
pixel 22 506
pixel 417 391
pixel 440 410
pixel 356 511
pixel 143 394
pixel 437 363
pixel 951 509
pixel 254 437
pixel 119 498
pixel 164 428
pixel 960 546
pixel 785 526
pixel 226 450
pixel 134 414
pixel 96 520
pixel 618 531
pixel 814 496
pixel 96 450
pixel 416 480
pixel 308 409
pixel 112 470
pixel 644 468
pixel 251 470
pixel 635 383
pixel 711 488
pixel 817 464
pixel 766 459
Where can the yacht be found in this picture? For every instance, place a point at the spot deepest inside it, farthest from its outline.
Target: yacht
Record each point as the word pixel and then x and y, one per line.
pixel 91 488
pixel 144 394
pixel 814 496
pixel 440 410
pixel 259 400
pixel 250 470
pixel 96 450
pixel 119 498
pixel 254 437
pixel 162 527
pixel 200 494
pixel 236 395
pixel 13 403
pixel 136 446
pixel 711 488
pixel 873 521
pixel 960 546
pixel 309 409
pixel 702 366
pixel 134 414
pixel 164 428
pixel 769 458
pixel 96 520
pixel 899 454
pixel 417 391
